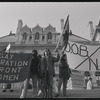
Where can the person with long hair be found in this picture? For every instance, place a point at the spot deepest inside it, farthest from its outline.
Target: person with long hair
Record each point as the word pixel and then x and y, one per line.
pixel 49 72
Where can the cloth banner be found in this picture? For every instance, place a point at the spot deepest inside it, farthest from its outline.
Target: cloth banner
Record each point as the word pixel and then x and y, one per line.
pixel 14 67
pixel 83 55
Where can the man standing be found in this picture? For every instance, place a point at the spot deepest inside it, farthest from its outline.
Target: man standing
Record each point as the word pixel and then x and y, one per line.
pixel 34 70
pixel 33 73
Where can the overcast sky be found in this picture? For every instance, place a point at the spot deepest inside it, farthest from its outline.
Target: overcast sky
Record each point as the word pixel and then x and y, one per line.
pixel 45 13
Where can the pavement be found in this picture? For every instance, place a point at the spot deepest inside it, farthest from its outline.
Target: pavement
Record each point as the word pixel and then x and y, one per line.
pixel 70 94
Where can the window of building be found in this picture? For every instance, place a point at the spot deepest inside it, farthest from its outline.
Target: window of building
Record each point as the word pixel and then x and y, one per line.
pixel 30 38
pixel 37 36
pixel 43 38
pixel 24 36
pixel 49 36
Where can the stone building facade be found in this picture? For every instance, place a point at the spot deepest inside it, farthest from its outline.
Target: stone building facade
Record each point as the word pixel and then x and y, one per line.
pixel 37 38
pixel 25 39
pixel 36 35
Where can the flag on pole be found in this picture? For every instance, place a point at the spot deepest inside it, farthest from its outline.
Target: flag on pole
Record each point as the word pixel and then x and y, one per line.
pixel 65 35
pixel 6 49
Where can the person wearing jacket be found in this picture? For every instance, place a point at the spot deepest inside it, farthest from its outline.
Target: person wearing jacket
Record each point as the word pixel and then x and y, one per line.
pixel 33 73
pixel 49 71
pixel 64 73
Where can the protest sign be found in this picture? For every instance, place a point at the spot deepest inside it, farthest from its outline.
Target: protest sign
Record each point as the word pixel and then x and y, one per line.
pixel 14 67
pixel 83 55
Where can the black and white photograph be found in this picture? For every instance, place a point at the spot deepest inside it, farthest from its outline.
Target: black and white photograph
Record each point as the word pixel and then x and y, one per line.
pixel 49 50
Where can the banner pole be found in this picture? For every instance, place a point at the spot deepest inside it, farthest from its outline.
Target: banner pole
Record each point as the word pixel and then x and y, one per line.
pixel 24 91
pixel 57 46
pixel 26 82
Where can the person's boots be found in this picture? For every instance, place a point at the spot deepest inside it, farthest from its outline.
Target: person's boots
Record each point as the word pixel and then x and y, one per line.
pixel 39 92
pixel 4 90
pixel 4 87
pixel 12 87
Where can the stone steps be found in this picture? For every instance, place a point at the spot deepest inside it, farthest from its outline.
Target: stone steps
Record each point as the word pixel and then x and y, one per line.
pixel 95 93
pixel 70 94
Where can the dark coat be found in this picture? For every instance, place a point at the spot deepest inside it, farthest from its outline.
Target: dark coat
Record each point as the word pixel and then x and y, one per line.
pixel 34 65
pixel 64 70
pixel 50 63
pixel 40 69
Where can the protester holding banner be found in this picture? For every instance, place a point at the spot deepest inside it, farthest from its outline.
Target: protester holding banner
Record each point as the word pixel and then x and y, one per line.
pixel 33 72
pixel 64 74
pixel 48 71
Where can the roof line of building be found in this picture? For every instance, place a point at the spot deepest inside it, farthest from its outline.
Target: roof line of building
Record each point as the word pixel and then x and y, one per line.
pixel 7 35
pixel 80 37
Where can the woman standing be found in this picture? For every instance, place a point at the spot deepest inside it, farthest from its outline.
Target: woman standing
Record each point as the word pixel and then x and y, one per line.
pixel 48 71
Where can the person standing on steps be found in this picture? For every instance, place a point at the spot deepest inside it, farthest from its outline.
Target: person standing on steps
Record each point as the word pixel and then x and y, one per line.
pixel 89 84
pixel 49 71
pixel 64 74
pixel 33 73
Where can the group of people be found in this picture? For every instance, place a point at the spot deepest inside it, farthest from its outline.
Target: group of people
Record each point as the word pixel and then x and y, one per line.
pixel 42 73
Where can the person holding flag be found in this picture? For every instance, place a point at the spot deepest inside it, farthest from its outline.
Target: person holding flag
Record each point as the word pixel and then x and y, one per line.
pixel 63 64
pixel 64 73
